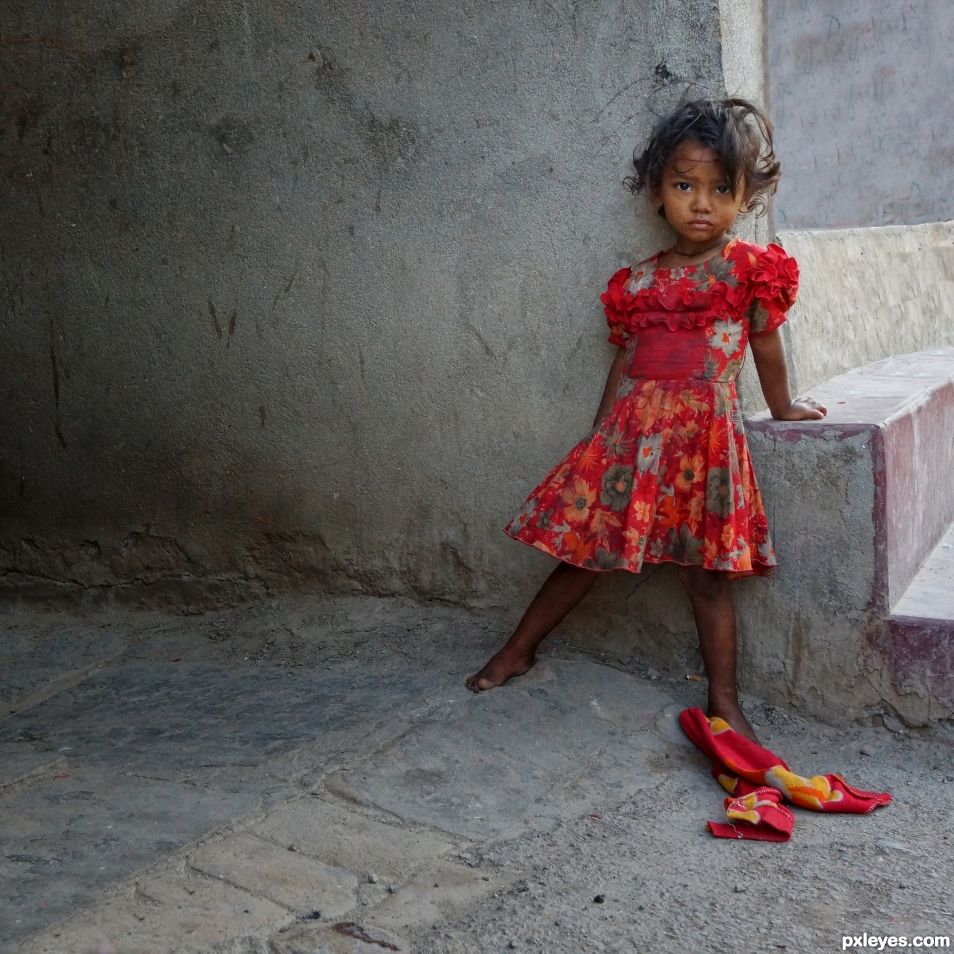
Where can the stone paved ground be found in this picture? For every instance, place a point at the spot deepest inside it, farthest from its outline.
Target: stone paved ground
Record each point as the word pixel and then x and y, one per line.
pixel 311 775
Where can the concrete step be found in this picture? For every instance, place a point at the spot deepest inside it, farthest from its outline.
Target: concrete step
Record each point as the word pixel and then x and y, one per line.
pixel 930 596
pixel 905 406
pixel 919 637
pixel 858 504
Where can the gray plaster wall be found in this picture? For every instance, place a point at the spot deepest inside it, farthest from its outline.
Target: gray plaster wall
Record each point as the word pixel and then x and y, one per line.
pixel 860 94
pixel 744 51
pixel 867 294
pixel 308 293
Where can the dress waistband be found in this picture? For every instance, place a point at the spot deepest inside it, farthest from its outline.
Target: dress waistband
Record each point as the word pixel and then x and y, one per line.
pixel 692 354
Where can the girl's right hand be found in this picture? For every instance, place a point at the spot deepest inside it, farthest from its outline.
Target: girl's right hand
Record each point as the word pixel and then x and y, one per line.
pixel 804 409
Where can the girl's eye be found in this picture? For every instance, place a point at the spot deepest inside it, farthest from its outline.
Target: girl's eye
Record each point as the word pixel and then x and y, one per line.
pixel 682 186
pixel 723 190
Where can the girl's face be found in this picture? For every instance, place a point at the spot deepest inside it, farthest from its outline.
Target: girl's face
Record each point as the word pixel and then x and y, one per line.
pixel 697 198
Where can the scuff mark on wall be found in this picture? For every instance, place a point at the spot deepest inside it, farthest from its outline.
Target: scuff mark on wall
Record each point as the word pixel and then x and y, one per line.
pixel 215 321
pixel 55 361
pixel 282 292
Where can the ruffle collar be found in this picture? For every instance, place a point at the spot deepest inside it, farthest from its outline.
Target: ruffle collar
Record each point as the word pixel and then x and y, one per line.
pixel 683 297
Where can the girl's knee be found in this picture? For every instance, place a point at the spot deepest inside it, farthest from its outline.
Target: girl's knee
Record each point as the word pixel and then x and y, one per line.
pixel 702 583
pixel 571 569
pixel 577 578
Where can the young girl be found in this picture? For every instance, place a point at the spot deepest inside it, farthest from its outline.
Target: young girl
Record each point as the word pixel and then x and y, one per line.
pixel 665 474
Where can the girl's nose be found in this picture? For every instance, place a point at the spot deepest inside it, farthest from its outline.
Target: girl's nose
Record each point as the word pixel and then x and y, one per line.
pixel 702 203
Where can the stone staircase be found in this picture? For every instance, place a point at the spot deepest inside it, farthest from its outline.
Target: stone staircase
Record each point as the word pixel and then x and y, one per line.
pixel 860 617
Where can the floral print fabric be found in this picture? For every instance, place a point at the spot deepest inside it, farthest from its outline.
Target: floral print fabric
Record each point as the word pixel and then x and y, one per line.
pixel 666 476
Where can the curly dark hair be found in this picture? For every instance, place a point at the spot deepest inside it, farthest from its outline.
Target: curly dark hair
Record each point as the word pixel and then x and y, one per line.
pixel 736 130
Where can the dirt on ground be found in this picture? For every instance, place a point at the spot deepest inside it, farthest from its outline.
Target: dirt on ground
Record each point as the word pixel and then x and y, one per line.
pixel 575 854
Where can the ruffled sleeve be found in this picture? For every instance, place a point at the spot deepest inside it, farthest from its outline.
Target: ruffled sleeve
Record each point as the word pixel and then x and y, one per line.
pixel 771 275
pixel 614 305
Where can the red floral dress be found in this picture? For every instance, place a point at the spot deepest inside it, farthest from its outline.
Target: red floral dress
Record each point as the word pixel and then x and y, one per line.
pixel 666 476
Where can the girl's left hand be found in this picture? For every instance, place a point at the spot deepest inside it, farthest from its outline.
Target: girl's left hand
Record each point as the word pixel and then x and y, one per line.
pixel 804 409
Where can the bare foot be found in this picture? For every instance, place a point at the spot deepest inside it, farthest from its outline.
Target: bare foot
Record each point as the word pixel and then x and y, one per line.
pixel 733 714
pixel 500 667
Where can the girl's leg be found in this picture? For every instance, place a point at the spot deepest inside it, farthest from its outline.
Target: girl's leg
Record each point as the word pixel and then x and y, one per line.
pixel 714 610
pixel 561 591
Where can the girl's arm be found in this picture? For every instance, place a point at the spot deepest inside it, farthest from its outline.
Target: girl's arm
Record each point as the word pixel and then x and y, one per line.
pixel 612 382
pixel 769 357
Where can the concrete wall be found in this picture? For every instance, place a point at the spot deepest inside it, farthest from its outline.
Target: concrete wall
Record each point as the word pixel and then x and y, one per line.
pixel 866 294
pixel 860 93
pixel 309 292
